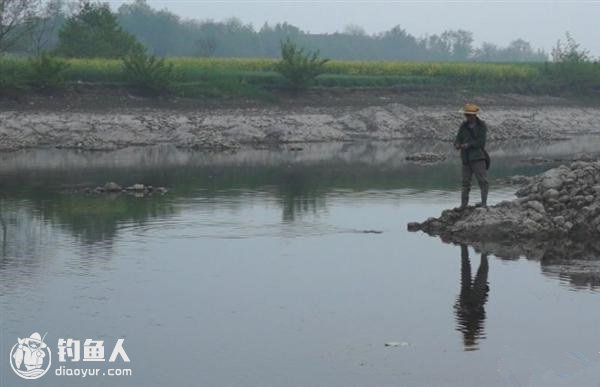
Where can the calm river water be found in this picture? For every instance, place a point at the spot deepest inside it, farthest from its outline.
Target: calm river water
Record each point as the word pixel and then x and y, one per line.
pixel 256 270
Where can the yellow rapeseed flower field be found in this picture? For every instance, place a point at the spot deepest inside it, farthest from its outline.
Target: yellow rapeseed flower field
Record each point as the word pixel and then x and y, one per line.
pixel 192 68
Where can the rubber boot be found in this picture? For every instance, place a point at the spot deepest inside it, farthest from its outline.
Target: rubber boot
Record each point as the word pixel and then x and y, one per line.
pixel 484 195
pixel 464 200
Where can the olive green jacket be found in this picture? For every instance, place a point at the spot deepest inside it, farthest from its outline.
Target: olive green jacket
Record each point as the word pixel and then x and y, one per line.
pixel 475 138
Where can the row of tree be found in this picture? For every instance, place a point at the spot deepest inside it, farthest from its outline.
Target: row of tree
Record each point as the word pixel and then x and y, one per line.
pixel 28 26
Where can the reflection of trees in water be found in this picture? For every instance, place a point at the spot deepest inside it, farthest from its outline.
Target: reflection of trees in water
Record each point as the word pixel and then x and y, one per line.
pixel 29 230
pixel 24 235
pixel 300 195
pixel 96 218
pixel 26 242
pixel 470 306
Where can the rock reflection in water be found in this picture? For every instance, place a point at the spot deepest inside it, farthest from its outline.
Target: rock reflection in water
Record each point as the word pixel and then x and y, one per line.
pixel 470 306
pixel 573 262
pixel 578 266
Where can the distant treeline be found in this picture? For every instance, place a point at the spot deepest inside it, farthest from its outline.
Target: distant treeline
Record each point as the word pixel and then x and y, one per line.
pixel 166 34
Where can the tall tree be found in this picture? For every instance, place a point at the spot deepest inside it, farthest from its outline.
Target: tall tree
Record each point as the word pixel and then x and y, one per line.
pixel 15 20
pixel 518 50
pixel 95 32
pixel 570 51
pixel 44 33
pixel 459 43
pixel 355 30
pixel 270 37
pixel 398 44
pixel 161 31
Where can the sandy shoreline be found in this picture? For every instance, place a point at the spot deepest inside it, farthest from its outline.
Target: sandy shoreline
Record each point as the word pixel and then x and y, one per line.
pixel 509 117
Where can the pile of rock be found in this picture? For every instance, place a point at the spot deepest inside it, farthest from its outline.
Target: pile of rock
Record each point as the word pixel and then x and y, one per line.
pixel 517 180
pixel 136 189
pixel 563 202
pixel 580 157
pixel 426 157
pixel 536 160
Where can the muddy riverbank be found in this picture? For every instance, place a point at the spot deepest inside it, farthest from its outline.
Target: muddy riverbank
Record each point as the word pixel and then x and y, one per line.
pixel 124 120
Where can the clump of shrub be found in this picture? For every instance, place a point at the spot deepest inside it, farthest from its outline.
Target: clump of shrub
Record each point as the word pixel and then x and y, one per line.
pixel 300 67
pixel 573 68
pixel 148 74
pixel 46 72
pixel 12 77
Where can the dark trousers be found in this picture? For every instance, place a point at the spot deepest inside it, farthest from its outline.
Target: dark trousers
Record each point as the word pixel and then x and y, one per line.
pixel 476 168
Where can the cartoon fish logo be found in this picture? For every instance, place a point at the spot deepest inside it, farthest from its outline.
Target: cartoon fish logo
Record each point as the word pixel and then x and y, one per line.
pixel 30 358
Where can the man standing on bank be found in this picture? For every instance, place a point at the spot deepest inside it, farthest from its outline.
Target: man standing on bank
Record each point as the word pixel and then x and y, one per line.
pixel 470 139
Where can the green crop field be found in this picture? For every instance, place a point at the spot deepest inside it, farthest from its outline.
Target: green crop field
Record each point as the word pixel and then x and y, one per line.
pixel 233 74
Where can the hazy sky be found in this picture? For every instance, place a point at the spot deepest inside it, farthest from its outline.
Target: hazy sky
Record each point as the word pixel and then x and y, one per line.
pixel 540 22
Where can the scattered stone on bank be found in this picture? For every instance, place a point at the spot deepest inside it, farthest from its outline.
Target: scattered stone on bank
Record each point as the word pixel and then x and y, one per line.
pixel 218 144
pixel 112 187
pixel 536 160
pixel 426 157
pixel 580 157
pixel 563 202
pixel 138 189
pixel 519 180
pixel 225 129
pixel 514 180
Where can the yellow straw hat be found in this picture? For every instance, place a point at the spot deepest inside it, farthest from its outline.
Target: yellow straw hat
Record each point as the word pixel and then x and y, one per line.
pixel 470 108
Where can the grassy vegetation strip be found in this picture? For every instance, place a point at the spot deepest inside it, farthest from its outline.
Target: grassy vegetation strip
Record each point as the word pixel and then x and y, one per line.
pixel 228 72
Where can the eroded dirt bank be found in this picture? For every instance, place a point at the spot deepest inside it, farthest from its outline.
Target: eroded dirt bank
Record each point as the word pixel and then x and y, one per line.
pixel 371 115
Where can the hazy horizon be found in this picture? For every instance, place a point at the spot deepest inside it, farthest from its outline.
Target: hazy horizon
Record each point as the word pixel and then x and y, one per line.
pixel 498 22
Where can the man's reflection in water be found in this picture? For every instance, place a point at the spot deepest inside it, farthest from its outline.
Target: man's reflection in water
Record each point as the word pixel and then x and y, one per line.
pixel 470 311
